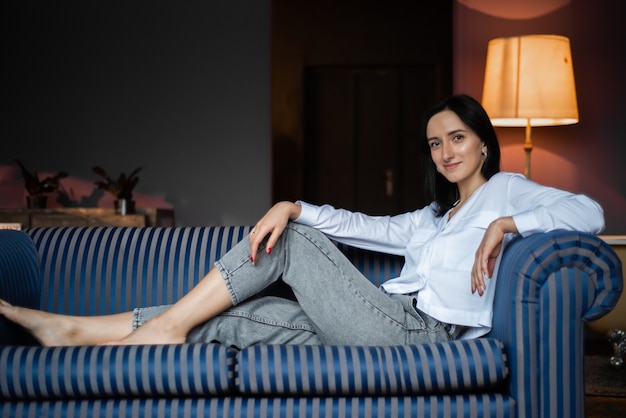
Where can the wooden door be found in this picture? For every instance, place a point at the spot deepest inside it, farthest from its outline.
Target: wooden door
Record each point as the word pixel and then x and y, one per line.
pixel 361 136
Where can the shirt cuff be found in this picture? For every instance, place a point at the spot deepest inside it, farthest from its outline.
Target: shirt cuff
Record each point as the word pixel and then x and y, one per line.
pixel 527 224
pixel 308 214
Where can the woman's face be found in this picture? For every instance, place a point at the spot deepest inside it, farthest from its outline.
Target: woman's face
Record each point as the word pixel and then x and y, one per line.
pixel 458 153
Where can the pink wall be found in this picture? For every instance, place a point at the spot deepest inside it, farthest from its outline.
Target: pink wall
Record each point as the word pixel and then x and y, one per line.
pixel 588 157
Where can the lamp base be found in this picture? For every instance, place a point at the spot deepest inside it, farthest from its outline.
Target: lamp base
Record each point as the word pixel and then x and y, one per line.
pixel 527 168
pixel 528 147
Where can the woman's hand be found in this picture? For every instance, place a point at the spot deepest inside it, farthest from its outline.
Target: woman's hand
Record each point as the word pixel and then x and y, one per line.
pixel 488 251
pixel 273 224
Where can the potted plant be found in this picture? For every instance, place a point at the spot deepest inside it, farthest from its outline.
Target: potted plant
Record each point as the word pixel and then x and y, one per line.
pixel 122 188
pixel 37 188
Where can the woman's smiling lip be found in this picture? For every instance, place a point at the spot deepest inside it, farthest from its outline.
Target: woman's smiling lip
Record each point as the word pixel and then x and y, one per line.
pixel 451 166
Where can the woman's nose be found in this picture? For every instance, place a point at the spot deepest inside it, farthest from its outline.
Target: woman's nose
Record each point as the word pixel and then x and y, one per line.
pixel 446 151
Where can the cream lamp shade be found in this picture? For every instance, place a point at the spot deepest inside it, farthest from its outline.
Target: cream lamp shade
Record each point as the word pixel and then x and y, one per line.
pixel 529 81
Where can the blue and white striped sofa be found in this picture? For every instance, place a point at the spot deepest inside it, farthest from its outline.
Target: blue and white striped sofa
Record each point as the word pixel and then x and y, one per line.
pixel 530 365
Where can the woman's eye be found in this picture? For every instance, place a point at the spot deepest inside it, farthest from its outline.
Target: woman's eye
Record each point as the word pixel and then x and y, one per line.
pixel 458 137
pixel 433 144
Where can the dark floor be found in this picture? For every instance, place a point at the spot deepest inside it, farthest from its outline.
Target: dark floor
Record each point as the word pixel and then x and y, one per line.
pixel 608 405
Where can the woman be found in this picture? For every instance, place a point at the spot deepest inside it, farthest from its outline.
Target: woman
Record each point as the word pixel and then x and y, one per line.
pixel 452 250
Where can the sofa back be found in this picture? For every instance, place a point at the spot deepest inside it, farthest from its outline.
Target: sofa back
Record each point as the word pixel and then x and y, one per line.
pixel 103 270
pixel 19 281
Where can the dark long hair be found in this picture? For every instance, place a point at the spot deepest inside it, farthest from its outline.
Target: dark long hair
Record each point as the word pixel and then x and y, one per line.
pixel 470 111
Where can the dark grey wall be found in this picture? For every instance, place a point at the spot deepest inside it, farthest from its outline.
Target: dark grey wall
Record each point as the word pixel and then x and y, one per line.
pixel 180 88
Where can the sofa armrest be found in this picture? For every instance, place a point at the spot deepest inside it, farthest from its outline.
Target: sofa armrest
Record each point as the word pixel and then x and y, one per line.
pixel 19 281
pixel 548 284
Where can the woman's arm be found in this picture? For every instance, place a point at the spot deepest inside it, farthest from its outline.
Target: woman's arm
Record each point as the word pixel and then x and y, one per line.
pixel 488 251
pixel 534 208
pixel 386 234
pixel 537 208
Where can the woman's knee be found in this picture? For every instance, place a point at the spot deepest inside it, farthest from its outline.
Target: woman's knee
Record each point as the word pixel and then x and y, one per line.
pixel 310 233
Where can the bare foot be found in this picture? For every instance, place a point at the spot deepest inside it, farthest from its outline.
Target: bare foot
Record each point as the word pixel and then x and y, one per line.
pixel 49 329
pixel 52 329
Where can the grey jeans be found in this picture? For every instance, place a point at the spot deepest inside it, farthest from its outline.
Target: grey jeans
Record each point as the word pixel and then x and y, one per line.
pixel 334 303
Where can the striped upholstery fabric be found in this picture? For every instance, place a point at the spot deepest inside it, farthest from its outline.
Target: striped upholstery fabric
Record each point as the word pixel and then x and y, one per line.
pixel 365 371
pixel 110 371
pixel 102 270
pixel 121 408
pixel 19 280
pixel 546 284
pixel 452 406
pixel 457 406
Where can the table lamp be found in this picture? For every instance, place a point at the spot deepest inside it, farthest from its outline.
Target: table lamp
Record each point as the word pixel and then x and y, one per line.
pixel 529 81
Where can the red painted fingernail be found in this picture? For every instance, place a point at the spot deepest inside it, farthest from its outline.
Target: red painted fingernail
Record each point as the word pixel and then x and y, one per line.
pixel 269 250
pixel 251 259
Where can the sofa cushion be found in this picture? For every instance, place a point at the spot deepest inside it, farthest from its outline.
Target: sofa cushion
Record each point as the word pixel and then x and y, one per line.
pixel 361 371
pixel 124 371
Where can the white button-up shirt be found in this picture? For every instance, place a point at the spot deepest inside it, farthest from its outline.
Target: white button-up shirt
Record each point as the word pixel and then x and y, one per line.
pixel 439 252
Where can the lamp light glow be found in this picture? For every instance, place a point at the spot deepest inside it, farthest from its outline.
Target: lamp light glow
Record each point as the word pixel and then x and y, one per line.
pixel 529 81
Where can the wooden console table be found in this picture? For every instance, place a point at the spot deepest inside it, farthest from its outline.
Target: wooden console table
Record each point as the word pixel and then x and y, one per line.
pixel 86 217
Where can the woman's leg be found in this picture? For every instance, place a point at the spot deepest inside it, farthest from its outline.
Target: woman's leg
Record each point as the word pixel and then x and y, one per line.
pixel 341 305
pixel 55 330
pixel 266 319
pixel 338 304
pixel 207 299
